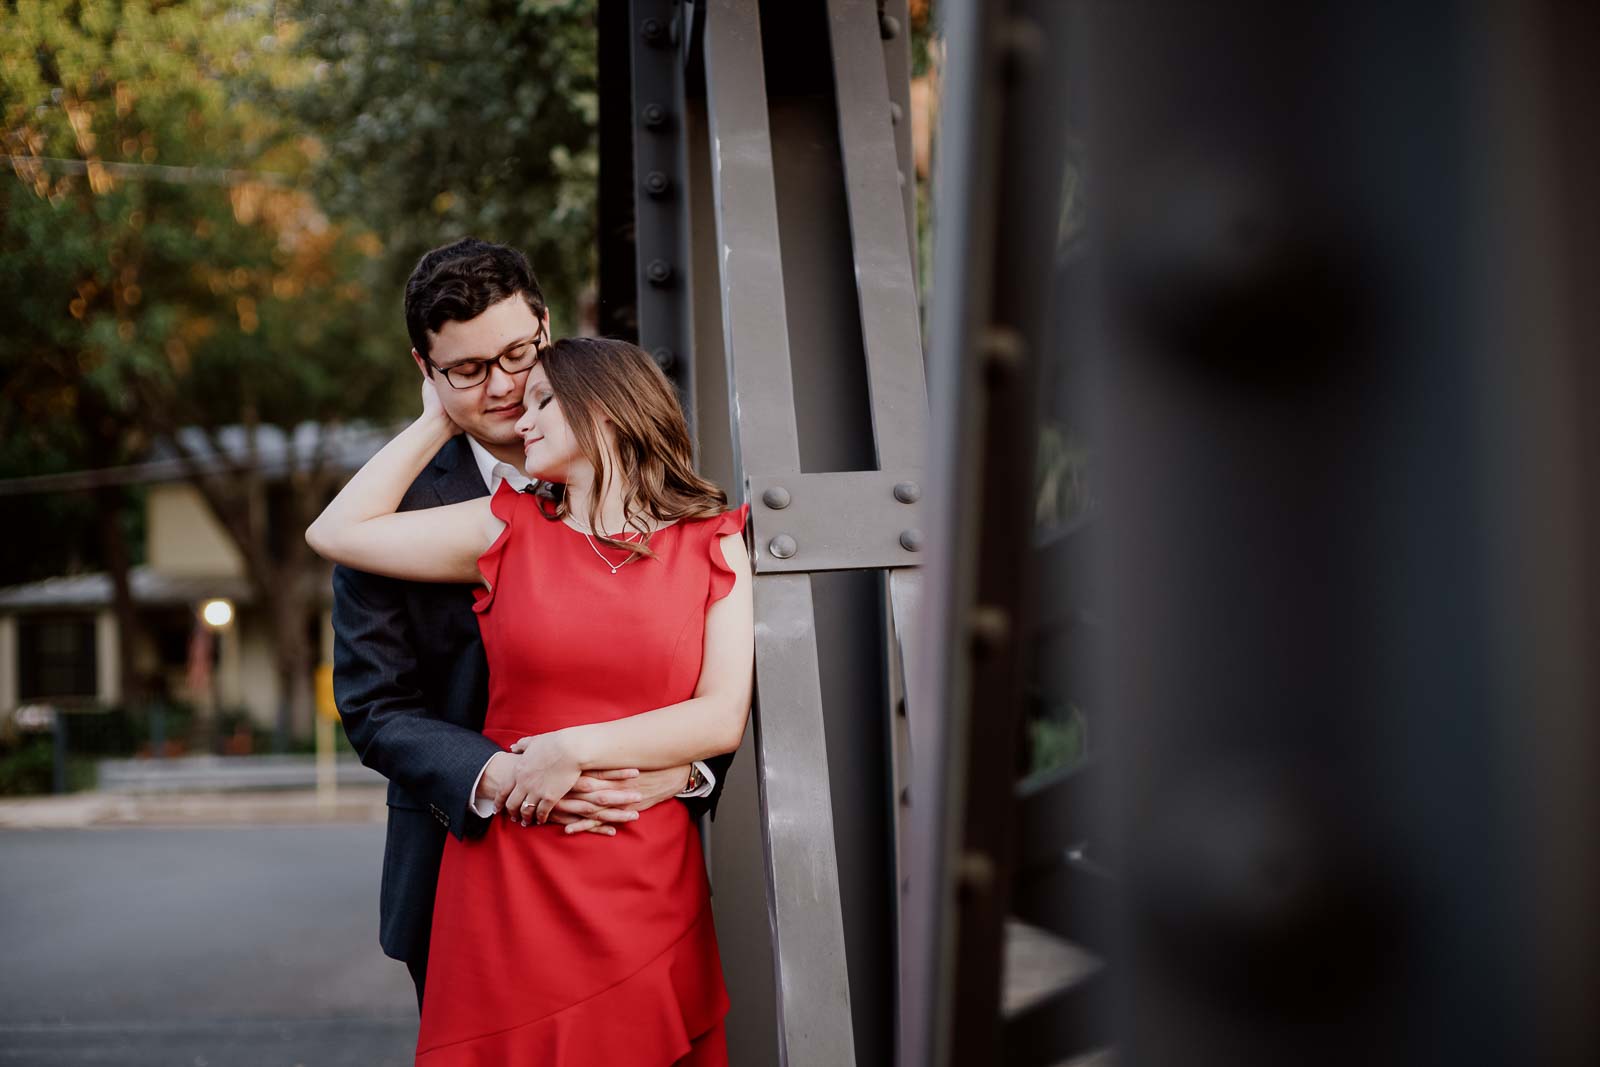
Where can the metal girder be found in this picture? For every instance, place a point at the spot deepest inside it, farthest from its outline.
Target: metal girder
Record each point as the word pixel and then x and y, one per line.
pixel 1062 1026
pixel 999 186
pixel 617 314
pixel 754 316
pixel 802 867
pixel 850 520
pixel 874 147
pixel 885 280
pixel 894 26
pixel 660 207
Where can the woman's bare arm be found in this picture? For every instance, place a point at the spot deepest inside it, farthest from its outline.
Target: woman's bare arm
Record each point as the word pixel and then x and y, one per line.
pixel 361 528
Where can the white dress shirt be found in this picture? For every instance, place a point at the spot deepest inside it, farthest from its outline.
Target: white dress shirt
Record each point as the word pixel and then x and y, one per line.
pixel 494 472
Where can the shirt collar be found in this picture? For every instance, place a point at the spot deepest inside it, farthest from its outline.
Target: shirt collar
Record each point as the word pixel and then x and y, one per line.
pixel 494 470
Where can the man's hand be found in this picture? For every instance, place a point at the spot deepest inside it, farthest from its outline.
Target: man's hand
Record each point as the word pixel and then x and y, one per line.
pixel 596 804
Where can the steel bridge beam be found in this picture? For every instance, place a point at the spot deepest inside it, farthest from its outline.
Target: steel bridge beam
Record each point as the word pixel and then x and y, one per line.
pixel 771 180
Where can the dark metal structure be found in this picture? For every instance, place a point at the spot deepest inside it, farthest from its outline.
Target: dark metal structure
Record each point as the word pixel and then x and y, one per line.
pixel 1299 292
pixel 757 234
pixel 1324 341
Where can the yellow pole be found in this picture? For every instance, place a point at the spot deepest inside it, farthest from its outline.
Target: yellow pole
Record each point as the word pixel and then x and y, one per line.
pixel 327 770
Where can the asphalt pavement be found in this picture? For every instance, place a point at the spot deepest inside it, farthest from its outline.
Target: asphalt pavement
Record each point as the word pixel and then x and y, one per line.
pixel 198 945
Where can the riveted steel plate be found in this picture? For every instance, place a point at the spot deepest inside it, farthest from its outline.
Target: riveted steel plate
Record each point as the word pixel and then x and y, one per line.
pixel 849 520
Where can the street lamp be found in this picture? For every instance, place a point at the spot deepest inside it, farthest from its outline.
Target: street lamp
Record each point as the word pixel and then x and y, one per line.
pixel 217 613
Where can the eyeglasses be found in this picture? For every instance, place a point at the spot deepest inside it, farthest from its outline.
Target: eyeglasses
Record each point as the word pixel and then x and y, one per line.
pixel 514 359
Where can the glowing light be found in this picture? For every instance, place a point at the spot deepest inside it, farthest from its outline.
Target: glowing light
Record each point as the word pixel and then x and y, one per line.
pixel 217 613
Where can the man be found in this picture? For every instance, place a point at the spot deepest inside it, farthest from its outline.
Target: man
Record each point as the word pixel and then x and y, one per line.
pixel 410 677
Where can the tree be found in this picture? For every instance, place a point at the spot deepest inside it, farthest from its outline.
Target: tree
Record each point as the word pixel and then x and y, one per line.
pixel 441 120
pixel 165 266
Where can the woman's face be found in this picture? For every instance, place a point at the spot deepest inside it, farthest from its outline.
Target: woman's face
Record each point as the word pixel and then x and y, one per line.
pixel 549 447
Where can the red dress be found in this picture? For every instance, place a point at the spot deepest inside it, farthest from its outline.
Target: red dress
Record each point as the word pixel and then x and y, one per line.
pixel 550 948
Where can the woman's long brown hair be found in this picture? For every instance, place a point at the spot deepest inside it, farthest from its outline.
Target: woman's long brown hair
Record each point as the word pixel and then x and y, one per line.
pixel 596 378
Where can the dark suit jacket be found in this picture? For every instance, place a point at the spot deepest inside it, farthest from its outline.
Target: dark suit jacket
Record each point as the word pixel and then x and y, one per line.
pixel 411 683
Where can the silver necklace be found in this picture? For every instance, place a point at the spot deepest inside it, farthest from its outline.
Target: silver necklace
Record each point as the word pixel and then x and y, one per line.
pixel 615 567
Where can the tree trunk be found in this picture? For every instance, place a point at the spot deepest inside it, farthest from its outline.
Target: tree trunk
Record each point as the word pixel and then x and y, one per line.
pixel 291 610
pixel 279 571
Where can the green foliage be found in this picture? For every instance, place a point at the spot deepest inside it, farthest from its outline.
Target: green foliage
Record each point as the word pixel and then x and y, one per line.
pixel 162 263
pixel 440 120
pixel 1057 741
pixel 1063 489
pixel 146 293
pixel 27 767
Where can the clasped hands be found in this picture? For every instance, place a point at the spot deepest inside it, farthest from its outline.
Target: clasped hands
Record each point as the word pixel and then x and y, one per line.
pixel 539 781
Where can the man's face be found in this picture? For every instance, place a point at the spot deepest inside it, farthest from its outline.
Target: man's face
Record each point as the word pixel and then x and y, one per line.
pixel 490 409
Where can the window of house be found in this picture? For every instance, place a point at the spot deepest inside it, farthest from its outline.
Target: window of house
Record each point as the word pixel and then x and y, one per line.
pixel 55 657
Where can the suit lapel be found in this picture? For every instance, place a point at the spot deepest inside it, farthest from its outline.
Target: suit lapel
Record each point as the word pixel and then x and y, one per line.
pixel 458 475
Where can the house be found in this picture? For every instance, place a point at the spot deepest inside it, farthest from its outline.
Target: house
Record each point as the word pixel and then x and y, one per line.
pixel 58 637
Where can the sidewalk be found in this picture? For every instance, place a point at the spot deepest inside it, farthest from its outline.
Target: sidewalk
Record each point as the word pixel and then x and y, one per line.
pixel 104 810
pixel 207 791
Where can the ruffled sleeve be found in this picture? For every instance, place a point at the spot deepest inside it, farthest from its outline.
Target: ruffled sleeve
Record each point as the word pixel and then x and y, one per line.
pixel 504 505
pixel 722 576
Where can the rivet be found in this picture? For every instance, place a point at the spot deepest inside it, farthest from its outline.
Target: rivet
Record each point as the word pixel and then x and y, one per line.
pixel 776 498
pixel 664 358
pixel 975 872
pixel 783 546
pixel 990 627
pixel 907 492
pixel 911 540
pixel 658 272
pixel 656 184
pixel 655 116
pixel 652 30
pixel 888 26
pixel 1021 45
pixel 1002 348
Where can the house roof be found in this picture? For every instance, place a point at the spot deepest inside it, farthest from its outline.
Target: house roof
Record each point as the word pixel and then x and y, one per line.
pixel 276 454
pixel 150 588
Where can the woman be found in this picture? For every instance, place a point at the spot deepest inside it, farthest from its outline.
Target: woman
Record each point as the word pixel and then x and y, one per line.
pixel 617 625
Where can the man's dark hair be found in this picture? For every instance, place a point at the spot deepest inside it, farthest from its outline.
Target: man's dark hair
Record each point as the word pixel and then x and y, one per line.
pixel 459 281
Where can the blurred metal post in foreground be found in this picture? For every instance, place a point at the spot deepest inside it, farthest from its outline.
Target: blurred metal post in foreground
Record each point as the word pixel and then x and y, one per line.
pixel 1339 330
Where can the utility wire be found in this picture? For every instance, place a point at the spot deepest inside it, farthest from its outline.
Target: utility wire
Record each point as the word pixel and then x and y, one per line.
pixel 157 172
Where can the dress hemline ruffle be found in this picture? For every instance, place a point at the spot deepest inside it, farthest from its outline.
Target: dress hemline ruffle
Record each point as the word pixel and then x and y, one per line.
pixel 663 1006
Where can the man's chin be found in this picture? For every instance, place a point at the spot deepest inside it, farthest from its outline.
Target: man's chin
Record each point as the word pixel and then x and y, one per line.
pixel 492 435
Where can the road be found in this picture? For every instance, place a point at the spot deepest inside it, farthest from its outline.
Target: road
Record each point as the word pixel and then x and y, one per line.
pixel 206 947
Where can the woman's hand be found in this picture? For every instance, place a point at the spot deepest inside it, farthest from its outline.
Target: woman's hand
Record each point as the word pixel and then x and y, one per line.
pixel 433 407
pixel 601 801
pixel 546 771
